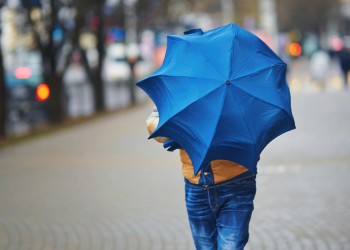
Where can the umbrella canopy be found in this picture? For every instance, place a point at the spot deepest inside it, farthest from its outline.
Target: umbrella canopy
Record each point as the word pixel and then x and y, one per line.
pixel 221 95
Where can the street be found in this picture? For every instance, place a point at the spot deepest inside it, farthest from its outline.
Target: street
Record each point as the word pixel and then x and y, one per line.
pixel 103 185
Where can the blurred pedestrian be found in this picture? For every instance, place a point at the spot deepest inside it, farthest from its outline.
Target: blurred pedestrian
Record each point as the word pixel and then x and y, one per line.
pixel 319 65
pixel 344 60
pixel 219 215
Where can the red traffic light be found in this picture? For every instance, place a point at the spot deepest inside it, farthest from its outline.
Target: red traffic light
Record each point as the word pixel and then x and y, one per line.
pixel 42 92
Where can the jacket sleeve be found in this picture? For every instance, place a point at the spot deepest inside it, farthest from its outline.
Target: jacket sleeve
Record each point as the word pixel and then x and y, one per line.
pixel 152 123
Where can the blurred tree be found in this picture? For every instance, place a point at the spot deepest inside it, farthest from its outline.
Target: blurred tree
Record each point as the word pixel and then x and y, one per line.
pixel 97 25
pixel 101 37
pixel 305 16
pixel 3 96
pixel 153 13
pixel 44 21
pixel 246 8
pixel 57 26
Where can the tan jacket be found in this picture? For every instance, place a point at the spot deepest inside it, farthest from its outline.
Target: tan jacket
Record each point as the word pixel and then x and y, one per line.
pixel 222 170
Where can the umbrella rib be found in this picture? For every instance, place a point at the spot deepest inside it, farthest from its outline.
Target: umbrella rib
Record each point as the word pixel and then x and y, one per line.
pixel 199 77
pixel 160 75
pixel 245 121
pixel 242 65
pixel 232 56
pixel 267 87
pixel 178 39
pixel 216 126
pixel 258 71
pixel 267 103
pixel 233 42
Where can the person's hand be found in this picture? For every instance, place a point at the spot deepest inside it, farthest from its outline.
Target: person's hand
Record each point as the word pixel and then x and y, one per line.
pixel 152 123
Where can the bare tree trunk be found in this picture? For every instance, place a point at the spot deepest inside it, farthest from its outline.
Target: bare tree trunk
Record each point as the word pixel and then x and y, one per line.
pixel 130 22
pixel 3 94
pixel 54 79
pixel 3 98
pixel 99 85
pixel 93 74
pixel 55 99
pixel 131 84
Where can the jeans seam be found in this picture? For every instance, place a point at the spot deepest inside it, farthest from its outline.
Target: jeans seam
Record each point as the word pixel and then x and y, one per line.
pixel 215 198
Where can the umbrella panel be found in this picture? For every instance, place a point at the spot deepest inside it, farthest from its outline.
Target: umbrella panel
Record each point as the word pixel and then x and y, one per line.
pixel 249 54
pixel 269 85
pixel 264 120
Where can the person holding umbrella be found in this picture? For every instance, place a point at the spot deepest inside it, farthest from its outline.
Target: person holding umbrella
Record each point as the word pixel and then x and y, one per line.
pixel 222 97
pixel 219 215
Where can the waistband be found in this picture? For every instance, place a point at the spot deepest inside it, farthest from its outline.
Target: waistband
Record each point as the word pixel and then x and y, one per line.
pixel 240 177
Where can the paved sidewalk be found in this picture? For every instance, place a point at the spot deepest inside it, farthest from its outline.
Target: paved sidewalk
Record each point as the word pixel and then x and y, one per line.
pixel 102 185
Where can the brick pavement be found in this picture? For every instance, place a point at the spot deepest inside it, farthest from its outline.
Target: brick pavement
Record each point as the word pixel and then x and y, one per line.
pixel 102 185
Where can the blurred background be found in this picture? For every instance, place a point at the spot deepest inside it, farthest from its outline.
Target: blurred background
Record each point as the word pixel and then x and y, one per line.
pixel 99 184
pixel 71 58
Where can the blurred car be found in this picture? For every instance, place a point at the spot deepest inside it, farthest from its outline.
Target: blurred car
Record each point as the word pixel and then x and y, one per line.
pixel 24 107
pixel 23 75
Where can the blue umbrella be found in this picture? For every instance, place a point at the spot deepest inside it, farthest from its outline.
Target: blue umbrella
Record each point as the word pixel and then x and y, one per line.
pixel 221 94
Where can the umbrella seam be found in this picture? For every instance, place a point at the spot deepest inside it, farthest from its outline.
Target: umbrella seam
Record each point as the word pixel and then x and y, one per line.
pixel 255 72
pixel 182 40
pixel 191 76
pixel 279 75
pixel 212 137
pixel 231 57
pixel 244 120
pixel 184 76
pixel 268 103
pixel 254 86
pixel 242 65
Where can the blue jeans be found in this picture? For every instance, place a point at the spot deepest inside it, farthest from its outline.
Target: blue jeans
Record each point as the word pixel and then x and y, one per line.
pixel 219 217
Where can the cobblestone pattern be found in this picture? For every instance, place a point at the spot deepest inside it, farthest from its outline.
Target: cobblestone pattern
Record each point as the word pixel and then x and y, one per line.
pixel 304 210
pixel 285 217
pixel 102 186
